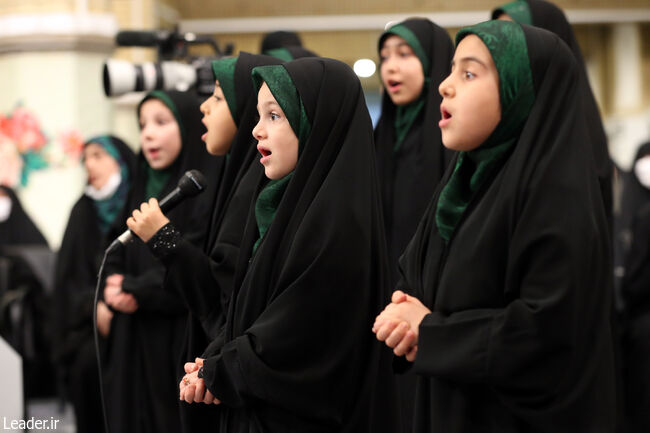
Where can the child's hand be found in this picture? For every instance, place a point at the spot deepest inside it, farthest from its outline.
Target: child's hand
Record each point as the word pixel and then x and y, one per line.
pixel 147 220
pixel 192 388
pixel 398 324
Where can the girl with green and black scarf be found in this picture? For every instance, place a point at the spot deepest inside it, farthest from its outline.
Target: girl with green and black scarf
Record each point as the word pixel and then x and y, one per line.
pixel 504 304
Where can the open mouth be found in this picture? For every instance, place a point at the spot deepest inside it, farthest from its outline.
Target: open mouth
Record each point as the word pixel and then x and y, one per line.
pixel 393 84
pixel 445 117
pixel 264 151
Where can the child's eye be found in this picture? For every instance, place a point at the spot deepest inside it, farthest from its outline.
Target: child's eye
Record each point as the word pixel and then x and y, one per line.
pixel 217 97
pixel 274 116
pixel 469 75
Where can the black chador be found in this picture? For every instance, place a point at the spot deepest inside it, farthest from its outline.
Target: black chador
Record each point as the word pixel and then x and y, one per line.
pixel 18 228
pixel 511 260
pixel 297 352
pixel 203 276
pixel 77 265
pixel 546 15
pixel 145 348
pixel 410 155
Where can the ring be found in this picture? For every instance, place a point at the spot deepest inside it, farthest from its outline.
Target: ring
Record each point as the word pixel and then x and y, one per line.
pixel 186 381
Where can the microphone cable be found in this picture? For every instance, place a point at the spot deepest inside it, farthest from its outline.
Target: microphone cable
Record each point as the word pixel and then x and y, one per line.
pixel 96 334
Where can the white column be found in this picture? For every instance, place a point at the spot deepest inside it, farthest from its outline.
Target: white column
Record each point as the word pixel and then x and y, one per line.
pixel 627 127
pixel 628 90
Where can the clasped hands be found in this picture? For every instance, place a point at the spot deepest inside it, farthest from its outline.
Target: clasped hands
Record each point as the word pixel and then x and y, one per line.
pixel 192 387
pixel 399 323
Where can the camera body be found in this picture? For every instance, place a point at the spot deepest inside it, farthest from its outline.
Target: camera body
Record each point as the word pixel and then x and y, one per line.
pixel 174 70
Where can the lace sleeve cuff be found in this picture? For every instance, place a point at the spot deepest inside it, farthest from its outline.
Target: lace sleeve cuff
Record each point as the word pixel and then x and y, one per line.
pixel 164 241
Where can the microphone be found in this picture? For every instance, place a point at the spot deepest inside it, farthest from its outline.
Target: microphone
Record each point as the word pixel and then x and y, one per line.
pixel 192 183
pixel 135 38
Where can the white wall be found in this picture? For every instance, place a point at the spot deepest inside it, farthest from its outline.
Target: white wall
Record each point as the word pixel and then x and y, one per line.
pixel 51 64
pixel 63 90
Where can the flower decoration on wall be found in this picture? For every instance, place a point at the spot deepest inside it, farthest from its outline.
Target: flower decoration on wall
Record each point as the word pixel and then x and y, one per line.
pixel 25 147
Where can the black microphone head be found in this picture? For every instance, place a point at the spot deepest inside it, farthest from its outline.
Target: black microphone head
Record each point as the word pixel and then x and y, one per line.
pixel 192 183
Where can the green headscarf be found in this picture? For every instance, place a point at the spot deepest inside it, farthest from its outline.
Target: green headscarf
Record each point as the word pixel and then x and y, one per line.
pixel 406 114
pixel 157 179
pixel 108 209
pixel 224 71
pixel 165 99
pixel 518 10
pixel 507 44
pixel 280 53
pixel 284 91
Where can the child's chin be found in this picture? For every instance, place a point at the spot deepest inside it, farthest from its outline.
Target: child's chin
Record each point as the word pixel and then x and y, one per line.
pixel 270 174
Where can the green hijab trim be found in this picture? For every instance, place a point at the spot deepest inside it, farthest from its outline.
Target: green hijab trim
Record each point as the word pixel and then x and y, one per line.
pixel 519 11
pixel 407 114
pixel 109 208
pixel 267 204
pixel 405 118
pixel 284 91
pixel 165 99
pixel 507 44
pixel 157 179
pixel 280 53
pixel 105 142
pixel 407 34
pixel 224 72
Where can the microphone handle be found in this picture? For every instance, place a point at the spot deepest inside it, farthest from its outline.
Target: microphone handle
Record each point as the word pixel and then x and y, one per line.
pixel 170 200
pixel 166 204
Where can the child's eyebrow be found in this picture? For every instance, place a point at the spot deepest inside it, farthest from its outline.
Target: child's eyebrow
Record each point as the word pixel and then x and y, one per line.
pixel 266 104
pixel 468 59
pixel 397 45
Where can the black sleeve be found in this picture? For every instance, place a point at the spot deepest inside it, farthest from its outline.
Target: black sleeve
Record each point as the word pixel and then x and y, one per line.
pixel 548 340
pixel 202 281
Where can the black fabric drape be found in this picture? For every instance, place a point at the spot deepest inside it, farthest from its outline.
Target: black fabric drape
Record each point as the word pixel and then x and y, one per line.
pixel 19 229
pixel 145 348
pixel 548 16
pixel 519 338
pixel 280 39
pixel 298 352
pixel 409 176
pixel 203 276
pixel 77 265
pixel 636 337
pixel 633 198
